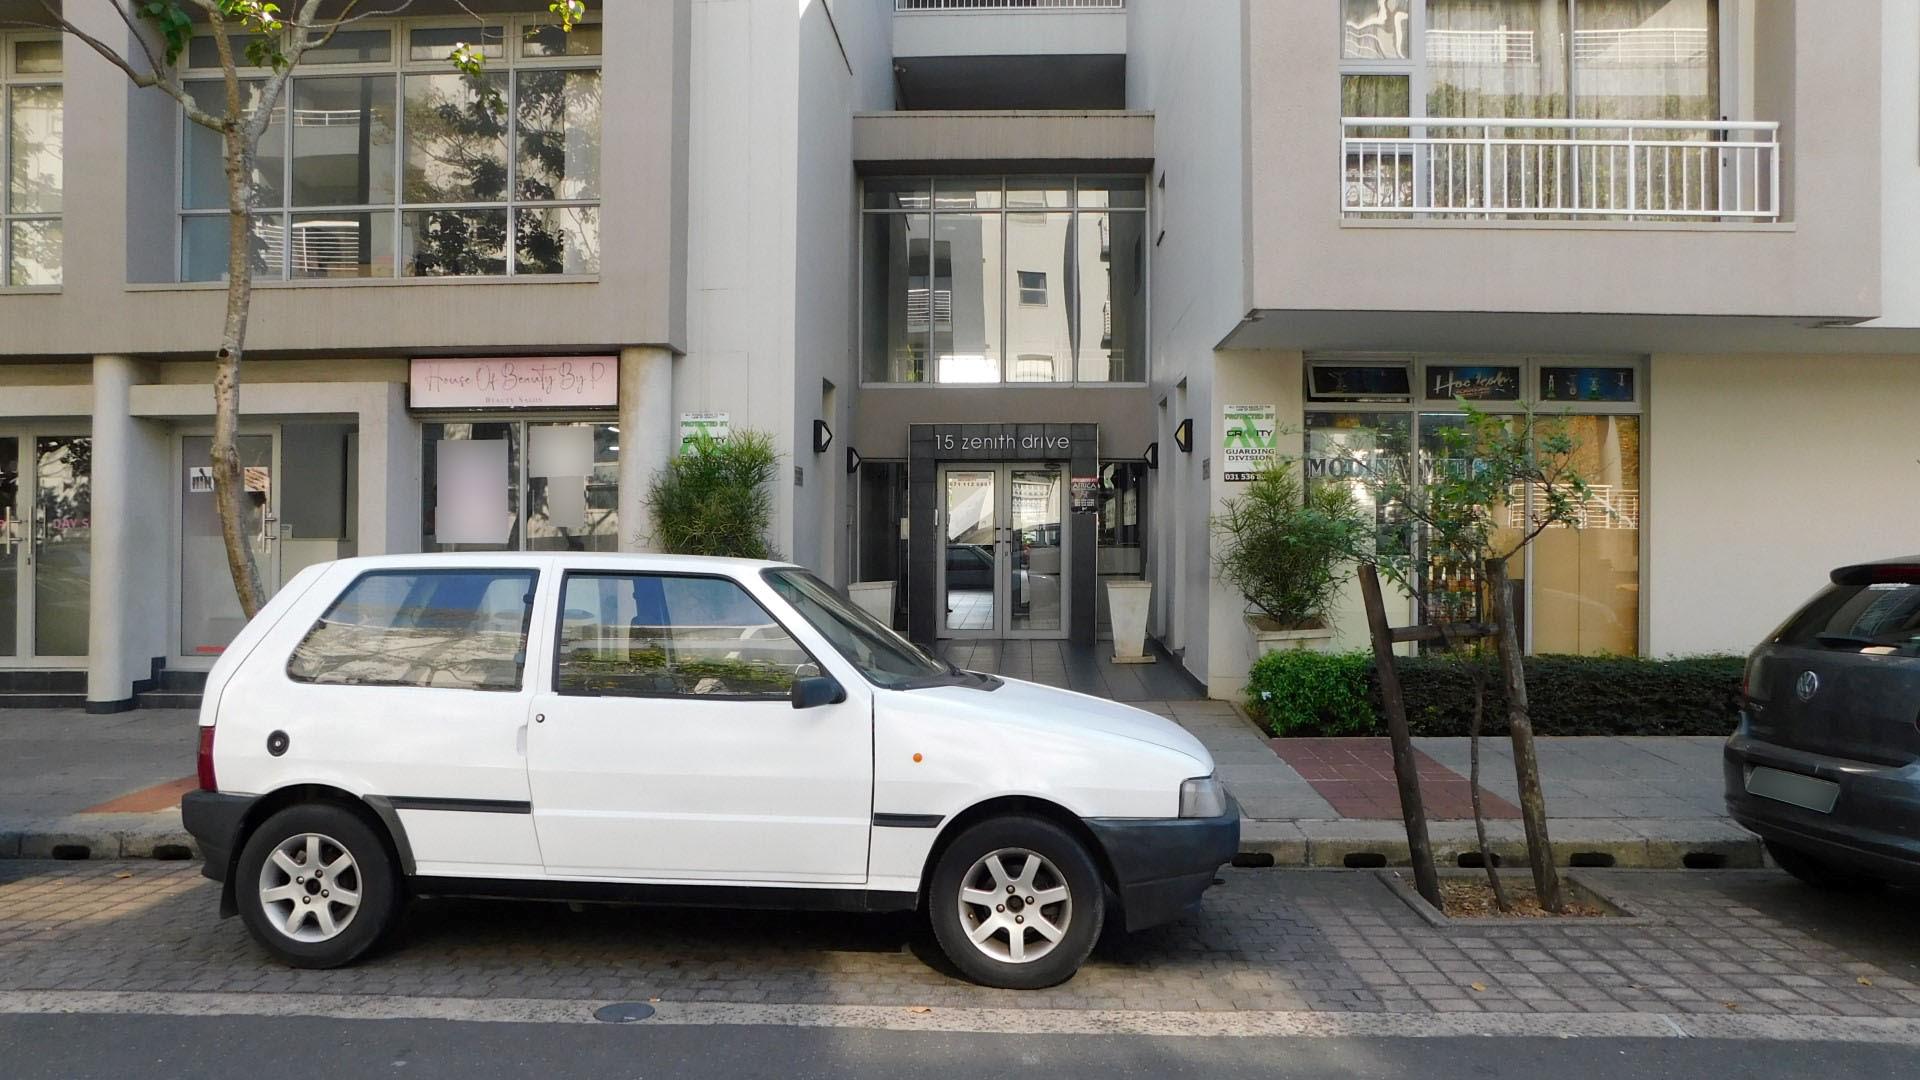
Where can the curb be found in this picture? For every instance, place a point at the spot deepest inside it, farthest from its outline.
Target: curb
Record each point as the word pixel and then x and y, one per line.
pixel 1578 843
pixel 99 836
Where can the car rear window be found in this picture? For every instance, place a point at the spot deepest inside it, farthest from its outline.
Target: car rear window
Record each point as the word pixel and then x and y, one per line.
pixel 1860 616
pixel 450 629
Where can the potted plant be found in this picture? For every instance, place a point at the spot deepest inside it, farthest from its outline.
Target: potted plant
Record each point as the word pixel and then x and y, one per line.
pixel 1286 551
pixel 715 497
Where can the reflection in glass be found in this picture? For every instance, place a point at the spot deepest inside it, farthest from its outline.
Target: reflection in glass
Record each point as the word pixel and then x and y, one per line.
pixel 431 437
pixel 1586 580
pixel 62 543
pixel 1041 321
pixel 557 240
pixel 972 509
pixel 558 113
pixel 1450 582
pixel 454 243
pixel 438 42
pixel 569 509
pixel 456 144
pixel 37 57
pixel 352 47
pixel 1374 30
pixel 1111 314
pixel 210 612
pixel 1119 191
pixel 1039 192
pixel 204 52
pixel 204 180
pixel 896 304
pixel 343 141
pixel 1036 581
pixel 35 257
pixel 204 246
pixel 342 245
pixel 1120 546
pixel 964 305
pixel 14 537
pixel 880 531
pixel 549 40
pixel 34 172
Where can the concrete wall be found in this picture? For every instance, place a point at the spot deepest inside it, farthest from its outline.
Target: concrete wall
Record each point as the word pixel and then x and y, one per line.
pixel 128 138
pixel 989 140
pixel 1762 473
pixel 1899 165
pixel 1825 262
pixel 1059 32
pixel 1186 63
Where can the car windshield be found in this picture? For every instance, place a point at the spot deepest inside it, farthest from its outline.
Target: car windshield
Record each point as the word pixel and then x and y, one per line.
pixel 884 657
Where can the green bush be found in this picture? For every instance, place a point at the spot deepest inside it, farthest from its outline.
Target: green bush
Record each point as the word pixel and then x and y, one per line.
pixel 1305 693
pixel 1300 692
pixel 713 497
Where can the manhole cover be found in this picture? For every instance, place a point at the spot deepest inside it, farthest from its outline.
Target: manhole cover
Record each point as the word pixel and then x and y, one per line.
pixel 625 1012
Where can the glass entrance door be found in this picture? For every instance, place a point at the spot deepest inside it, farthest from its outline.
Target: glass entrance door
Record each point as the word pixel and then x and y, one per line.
pixel 46 530
pixel 210 612
pixel 1003 572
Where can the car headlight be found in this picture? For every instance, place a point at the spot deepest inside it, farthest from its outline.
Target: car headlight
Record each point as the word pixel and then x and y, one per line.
pixel 1202 797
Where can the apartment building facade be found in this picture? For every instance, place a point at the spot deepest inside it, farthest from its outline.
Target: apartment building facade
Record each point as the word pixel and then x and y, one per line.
pixel 1001 277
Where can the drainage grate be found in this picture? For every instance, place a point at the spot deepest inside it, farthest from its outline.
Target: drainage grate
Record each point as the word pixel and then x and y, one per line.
pixel 72 852
pixel 625 1012
pixel 1470 860
pixel 1590 860
pixel 1364 860
pixel 1704 860
pixel 172 852
pixel 1253 859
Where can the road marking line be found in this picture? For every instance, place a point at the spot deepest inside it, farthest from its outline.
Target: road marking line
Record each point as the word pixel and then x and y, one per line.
pixel 1222 1024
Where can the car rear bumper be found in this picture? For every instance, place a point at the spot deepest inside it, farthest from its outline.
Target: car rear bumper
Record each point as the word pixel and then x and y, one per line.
pixel 1874 826
pixel 1162 865
pixel 214 821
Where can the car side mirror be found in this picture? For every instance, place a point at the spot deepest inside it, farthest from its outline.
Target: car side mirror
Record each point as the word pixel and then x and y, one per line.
pixel 813 691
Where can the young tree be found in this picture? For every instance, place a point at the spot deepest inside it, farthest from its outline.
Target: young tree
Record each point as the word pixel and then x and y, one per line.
pixel 1495 484
pixel 254 34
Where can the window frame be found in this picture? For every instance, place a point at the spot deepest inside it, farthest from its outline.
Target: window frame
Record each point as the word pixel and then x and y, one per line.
pixel 929 187
pixel 400 66
pixel 1418 406
pixel 10 80
pixel 526 624
pixel 560 625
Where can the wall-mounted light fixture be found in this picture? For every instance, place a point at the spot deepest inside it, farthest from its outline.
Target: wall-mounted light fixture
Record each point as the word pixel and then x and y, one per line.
pixel 853 460
pixel 1183 436
pixel 1152 455
pixel 822 436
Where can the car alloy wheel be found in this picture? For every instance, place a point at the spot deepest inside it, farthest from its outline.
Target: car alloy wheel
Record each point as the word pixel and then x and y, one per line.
pixel 310 888
pixel 1015 905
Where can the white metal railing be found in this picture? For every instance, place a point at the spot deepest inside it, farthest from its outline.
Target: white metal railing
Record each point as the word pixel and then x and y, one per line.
pixel 922 302
pixel 1009 5
pixel 1509 168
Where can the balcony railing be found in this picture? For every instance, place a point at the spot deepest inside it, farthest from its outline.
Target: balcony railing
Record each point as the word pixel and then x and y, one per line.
pixel 1009 5
pixel 1548 169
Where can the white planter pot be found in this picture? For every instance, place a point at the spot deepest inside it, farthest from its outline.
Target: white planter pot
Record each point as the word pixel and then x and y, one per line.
pixel 1269 638
pixel 875 598
pixel 1127 606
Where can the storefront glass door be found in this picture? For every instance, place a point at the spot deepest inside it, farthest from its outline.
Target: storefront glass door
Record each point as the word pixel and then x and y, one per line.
pixel 1004 569
pixel 46 529
pixel 210 612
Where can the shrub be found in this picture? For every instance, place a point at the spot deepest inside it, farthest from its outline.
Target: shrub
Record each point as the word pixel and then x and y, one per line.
pixel 713 497
pixel 1286 553
pixel 1300 692
pixel 1307 693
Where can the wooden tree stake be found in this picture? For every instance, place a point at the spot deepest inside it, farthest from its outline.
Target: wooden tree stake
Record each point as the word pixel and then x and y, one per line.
pixel 1405 769
pixel 1526 767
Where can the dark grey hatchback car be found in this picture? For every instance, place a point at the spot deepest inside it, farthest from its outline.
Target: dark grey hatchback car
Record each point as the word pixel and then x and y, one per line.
pixel 1825 764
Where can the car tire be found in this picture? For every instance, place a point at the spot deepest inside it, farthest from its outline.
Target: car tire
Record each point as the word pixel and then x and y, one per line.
pixel 316 886
pixel 1818 872
pixel 1055 902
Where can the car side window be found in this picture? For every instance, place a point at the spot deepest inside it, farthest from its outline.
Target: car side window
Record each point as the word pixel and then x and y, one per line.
pixel 666 635
pixel 448 629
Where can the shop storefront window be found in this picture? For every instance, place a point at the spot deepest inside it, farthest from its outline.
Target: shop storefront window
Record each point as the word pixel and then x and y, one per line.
pixel 1577 590
pixel 383 163
pixel 980 280
pixel 514 485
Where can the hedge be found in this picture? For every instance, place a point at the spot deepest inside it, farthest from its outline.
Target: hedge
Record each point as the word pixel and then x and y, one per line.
pixel 1307 693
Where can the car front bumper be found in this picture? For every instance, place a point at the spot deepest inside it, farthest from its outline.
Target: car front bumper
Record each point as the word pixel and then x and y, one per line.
pixel 1874 826
pixel 1162 865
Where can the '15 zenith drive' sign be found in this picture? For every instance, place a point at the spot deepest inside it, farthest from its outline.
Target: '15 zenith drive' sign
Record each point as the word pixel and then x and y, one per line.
pixel 515 382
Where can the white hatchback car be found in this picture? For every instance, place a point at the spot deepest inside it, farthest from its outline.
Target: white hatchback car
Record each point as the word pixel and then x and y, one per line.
pixel 676 730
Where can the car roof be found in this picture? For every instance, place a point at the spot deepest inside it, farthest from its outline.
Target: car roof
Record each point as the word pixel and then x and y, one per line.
pixel 622 559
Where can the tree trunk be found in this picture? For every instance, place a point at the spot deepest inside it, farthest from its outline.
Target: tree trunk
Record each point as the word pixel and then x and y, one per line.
pixel 1533 803
pixel 1406 771
pixel 237 523
pixel 1473 786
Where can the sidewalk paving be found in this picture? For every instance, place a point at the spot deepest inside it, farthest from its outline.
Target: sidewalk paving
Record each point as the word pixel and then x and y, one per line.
pixel 75 785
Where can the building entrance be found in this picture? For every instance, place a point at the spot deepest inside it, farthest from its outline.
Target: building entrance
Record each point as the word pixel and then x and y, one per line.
pixel 46 525
pixel 1005 568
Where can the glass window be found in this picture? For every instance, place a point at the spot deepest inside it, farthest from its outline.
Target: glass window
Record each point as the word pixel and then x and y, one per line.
pixel 456 143
pixel 1611 384
pixel 1881 616
pixel 204 52
pixel 205 181
pixel 470 486
pixel 1375 30
pixel 1120 543
pixel 540 40
pixel 339 244
pixel 453 243
pixel 37 57
pixel 559 124
pixel 1116 191
pixel 1586 580
pixel 34 252
pixel 32 154
pixel 438 42
pixel 557 240
pixel 1033 287
pixel 1040 322
pixel 896 300
pixel 649 635
pixel 34 167
pixel 343 141
pixel 204 247
pixel 446 629
pixel 1474 382
pixel 883 657
pixel 573 484
pixel 353 47
pixel 965 298
pixel 1110 318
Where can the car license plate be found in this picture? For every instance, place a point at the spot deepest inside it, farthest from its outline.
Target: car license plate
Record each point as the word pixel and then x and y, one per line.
pixel 1808 792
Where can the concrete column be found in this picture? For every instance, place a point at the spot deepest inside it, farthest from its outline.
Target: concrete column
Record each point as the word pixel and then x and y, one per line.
pixel 647 436
pixel 128 600
pixel 389 476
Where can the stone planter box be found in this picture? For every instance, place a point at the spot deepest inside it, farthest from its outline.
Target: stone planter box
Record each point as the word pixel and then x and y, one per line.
pixel 1268 637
